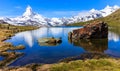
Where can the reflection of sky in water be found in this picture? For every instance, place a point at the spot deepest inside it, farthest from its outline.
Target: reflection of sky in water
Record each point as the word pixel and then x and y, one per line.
pixel 30 36
pixel 113 37
pixel 114 45
pixel 35 53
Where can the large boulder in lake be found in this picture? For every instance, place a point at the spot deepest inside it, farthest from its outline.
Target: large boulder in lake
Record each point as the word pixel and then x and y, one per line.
pixel 93 30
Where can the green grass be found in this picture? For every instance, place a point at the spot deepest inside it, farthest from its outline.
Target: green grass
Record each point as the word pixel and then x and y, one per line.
pixel 77 24
pixel 88 65
pixel 19 28
pixel 6 31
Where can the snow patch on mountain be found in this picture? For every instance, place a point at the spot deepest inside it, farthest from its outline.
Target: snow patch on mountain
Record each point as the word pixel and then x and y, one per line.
pixel 31 18
pixel 93 14
pixel 109 10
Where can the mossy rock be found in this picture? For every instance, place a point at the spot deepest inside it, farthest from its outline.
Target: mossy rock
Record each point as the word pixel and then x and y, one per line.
pixel 49 41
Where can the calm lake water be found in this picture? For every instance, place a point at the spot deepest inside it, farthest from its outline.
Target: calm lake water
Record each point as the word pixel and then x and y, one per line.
pixel 36 53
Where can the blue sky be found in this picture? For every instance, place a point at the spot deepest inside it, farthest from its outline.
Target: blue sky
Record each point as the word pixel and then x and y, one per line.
pixel 52 8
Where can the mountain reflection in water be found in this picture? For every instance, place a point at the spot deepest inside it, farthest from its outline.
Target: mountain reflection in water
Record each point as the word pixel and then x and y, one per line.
pixel 35 53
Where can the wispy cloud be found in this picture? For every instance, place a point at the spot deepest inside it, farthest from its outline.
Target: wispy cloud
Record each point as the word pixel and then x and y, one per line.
pixel 83 13
pixel 18 7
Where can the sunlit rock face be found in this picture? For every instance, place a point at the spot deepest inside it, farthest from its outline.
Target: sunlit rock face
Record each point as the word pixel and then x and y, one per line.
pixel 95 30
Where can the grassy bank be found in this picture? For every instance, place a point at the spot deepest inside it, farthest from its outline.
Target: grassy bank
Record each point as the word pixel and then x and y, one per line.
pixel 88 65
pixel 6 31
pixel 107 64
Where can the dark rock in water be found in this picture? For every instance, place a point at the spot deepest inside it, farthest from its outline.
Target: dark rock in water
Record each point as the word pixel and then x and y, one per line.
pixel 96 30
pixel 58 40
pixel 54 40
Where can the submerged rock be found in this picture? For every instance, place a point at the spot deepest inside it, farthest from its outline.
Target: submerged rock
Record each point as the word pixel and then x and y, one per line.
pixel 49 41
pixel 96 30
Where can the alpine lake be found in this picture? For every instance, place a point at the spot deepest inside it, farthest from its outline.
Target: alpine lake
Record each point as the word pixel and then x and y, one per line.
pixel 35 52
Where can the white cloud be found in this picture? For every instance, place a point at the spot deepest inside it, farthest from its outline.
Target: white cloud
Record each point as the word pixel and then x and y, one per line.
pixel 18 7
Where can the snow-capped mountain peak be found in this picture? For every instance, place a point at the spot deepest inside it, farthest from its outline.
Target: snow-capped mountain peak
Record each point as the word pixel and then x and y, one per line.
pixel 108 7
pixel 31 18
pixel 93 10
pixel 28 11
pixel 116 7
pixel 109 10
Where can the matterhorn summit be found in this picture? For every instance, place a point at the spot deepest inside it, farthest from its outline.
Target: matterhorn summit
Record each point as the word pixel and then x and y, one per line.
pixel 29 12
pixel 30 18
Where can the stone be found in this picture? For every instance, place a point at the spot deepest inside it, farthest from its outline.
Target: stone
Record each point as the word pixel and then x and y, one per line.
pixel 49 41
pixel 52 40
pixel 95 30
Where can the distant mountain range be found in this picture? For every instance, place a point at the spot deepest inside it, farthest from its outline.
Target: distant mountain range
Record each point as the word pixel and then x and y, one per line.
pixel 31 18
